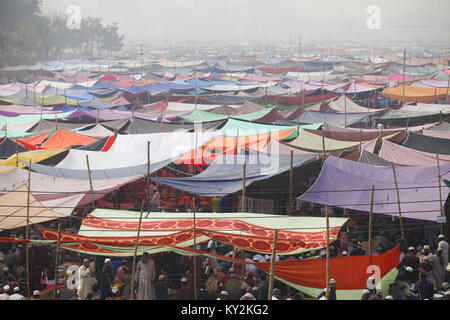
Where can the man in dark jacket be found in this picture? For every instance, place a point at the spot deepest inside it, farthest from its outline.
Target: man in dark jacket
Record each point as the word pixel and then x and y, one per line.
pixel 106 279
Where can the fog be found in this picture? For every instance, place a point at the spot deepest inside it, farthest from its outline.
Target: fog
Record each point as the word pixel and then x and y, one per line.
pixel 401 21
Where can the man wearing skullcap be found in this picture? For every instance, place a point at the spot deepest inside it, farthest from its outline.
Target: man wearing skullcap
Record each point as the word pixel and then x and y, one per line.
pixel 424 287
pixel 5 294
pixel 332 290
pixel 442 244
pixel 413 261
pixel 36 295
pixel 161 288
pixel 223 295
pixel 106 279
pixel 186 291
pixel 16 295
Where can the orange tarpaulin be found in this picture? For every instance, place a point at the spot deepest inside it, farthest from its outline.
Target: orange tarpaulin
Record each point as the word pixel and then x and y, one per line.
pixel 351 272
pixel 34 140
pixel 415 94
pixel 62 139
pixel 225 142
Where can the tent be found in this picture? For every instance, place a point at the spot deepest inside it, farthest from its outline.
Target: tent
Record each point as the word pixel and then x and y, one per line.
pixel 117 163
pixel 113 232
pixel 225 175
pixel 337 119
pixel 427 144
pixel 9 147
pixel 315 143
pixel 347 184
pixel 409 157
pixel 13 213
pixel 415 94
pixel 33 156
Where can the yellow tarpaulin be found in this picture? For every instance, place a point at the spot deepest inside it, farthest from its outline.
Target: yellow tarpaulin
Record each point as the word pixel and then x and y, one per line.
pixel 415 94
pixel 33 156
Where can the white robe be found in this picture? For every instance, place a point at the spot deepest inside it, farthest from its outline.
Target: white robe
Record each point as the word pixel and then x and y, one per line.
pixel 84 282
pixel 145 275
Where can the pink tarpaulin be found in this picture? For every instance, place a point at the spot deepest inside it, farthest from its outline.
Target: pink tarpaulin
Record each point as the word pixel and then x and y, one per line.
pixel 437 134
pixel 409 157
pixel 399 78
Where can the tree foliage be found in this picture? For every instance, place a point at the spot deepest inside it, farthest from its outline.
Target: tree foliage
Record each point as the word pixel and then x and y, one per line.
pixel 27 36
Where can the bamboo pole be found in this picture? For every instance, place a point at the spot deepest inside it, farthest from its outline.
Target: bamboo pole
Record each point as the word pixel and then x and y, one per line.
pixel 90 183
pixel 328 253
pixel 17 154
pixel 27 231
pixel 133 270
pixel 244 173
pixel 194 207
pixel 98 116
pixel 148 176
pixel 272 264
pixel 370 224
pixel 440 194
pixel 345 110
pixel 360 142
pixel 398 201
pixel 291 184
pixel 298 125
pixel 58 243
pixel 404 66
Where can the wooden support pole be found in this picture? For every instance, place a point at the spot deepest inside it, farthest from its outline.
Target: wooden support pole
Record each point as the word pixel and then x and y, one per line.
pixel 323 147
pixel 272 264
pixel 133 270
pixel 194 207
pixel 360 142
pixel 148 176
pixel 58 244
pixel 345 110
pixel 244 173
pixel 404 66
pixel 298 125
pixel 56 122
pixel 90 183
pixel 237 140
pixel 440 193
pixel 98 116
pixel 17 154
pixel 291 184
pixel 27 231
pixel 398 201
pixel 328 253
pixel 370 224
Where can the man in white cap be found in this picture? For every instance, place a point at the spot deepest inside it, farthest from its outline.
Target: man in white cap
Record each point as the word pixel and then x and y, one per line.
pixel 413 261
pixel 223 295
pixel 16 295
pixel 106 279
pixel 5 294
pixel 332 290
pixel 36 295
pixel 186 292
pixel 442 244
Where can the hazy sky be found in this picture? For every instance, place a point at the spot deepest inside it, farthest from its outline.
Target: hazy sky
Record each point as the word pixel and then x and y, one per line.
pixel 268 20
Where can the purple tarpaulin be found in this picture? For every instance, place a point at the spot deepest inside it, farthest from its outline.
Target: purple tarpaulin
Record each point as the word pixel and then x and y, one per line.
pixel 347 184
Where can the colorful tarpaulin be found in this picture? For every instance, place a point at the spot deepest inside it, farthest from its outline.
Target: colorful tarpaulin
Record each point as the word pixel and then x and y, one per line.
pixel 427 144
pixel 347 184
pixel 409 157
pixel 315 143
pixel 225 175
pixel 113 232
pixel 351 273
pixel 33 156
pixel 415 94
pixel 117 162
pixel 13 212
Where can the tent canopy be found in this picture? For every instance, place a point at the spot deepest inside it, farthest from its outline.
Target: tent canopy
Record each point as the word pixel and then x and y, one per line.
pixel 347 184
